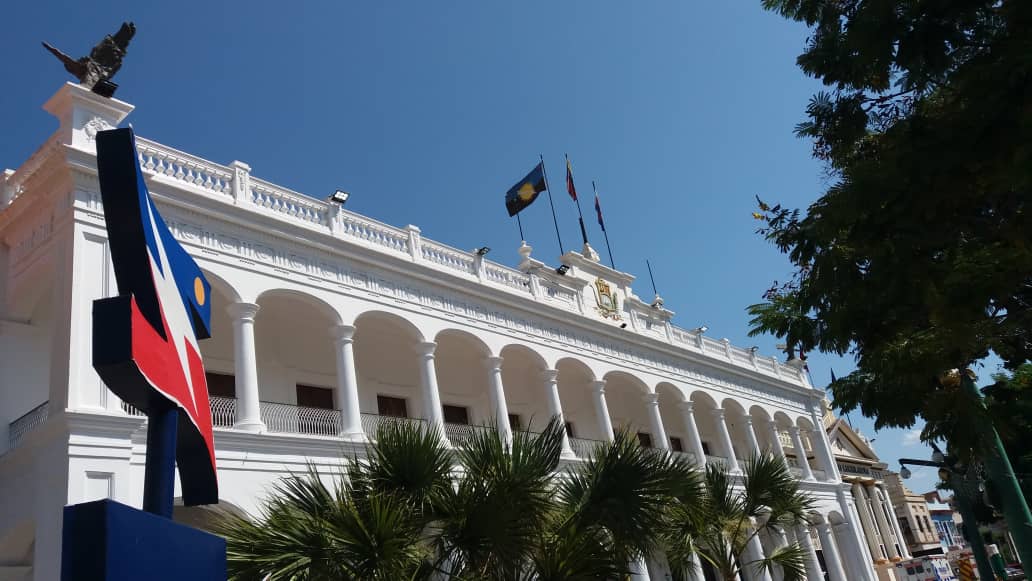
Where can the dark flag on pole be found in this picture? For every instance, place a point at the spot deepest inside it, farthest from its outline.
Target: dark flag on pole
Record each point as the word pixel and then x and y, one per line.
pixel 598 210
pixel 526 190
pixel 569 181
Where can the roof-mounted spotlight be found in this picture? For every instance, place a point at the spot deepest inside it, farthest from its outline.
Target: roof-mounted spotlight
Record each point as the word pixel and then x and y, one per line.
pixel 339 197
pixel 753 349
pixel 700 330
pixel 562 270
pixel 658 303
pixel 623 325
pixel 481 251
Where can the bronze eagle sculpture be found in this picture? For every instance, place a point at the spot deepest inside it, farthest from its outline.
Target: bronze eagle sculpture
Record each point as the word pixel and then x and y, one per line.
pixel 95 71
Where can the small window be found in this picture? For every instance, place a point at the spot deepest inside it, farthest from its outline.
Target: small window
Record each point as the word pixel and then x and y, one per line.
pixel 394 407
pixel 645 440
pixel 456 414
pixel 705 448
pixel 675 444
pixel 515 423
pixel 310 396
pixel 220 384
pixel 569 430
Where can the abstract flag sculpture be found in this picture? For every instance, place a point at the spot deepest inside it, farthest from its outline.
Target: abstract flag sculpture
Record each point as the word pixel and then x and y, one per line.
pixel 145 339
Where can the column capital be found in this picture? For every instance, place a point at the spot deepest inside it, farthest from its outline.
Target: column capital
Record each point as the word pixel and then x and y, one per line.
pixel 343 333
pixel 687 407
pixel 493 362
pixel 598 385
pixel 426 348
pixel 747 419
pixel 718 413
pixel 242 311
pixel 650 398
pixel 550 375
pixel 793 430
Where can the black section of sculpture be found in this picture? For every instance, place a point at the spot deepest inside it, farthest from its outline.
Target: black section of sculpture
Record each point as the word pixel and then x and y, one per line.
pixel 95 71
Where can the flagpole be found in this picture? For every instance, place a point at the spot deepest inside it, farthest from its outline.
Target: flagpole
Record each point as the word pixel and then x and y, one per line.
pixel 520 224
pixel 652 278
pixel 580 215
pixel 544 174
pixel 606 234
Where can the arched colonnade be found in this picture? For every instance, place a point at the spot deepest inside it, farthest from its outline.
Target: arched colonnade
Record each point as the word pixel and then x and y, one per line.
pixel 293 357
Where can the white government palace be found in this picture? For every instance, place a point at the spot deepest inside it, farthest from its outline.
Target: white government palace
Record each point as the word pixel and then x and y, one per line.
pixel 326 321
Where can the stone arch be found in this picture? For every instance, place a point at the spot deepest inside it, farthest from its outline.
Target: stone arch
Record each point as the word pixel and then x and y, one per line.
pixel 735 416
pixel 524 386
pixel 294 348
pixel 576 394
pixel 671 402
pixel 388 364
pixel 704 407
pixel 226 288
pixel 462 376
pixel 761 425
pixel 625 398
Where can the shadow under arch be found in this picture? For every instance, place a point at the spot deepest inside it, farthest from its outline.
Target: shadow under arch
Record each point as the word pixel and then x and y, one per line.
pixel 223 286
pixel 320 305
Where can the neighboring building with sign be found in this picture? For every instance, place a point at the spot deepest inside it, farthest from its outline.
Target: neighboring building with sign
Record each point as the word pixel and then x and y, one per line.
pixel 866 476
pixel 324 322
pixel 914 518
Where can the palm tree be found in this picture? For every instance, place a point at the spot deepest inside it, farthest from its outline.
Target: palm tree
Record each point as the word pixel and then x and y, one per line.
pixel 717 523
pixel 417 509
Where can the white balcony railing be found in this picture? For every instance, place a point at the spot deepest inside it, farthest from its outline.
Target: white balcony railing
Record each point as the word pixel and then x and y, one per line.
pixel 372 422
pixel 31 420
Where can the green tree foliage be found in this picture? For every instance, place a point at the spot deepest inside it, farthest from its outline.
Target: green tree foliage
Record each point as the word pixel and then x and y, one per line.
pixel 918 257
pixel 1010 404
pixel 416 509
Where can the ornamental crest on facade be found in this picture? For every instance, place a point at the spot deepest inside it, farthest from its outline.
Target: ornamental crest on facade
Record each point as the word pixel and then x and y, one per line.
pixel 605 299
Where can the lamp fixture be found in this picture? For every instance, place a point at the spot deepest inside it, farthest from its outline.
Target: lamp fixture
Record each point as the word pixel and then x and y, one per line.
pixel 481 251
pixel 700 330
pixel 339 197
pixel 904 472
pixel 754 349
pixel 562 270
pixel 623 325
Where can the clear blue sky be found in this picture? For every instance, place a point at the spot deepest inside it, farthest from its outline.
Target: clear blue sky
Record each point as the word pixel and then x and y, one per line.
pixel 429 111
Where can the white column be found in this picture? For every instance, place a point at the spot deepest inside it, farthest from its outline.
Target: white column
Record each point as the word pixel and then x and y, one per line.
pixel 245 364
pixel 823 445
pixel 555 406
pixel 894 523
pixel 813 565
pixel 659 437
pixel 863 552
pixel 779 450
pixel 867 521
pixel 754 552
pixel 800 451
pixel 725 439
pixel 779 540
pixel 605 423
pixel 694 441
pixel 831 553
pixel 347 382
pixel 878 506
pixel 428 378
pixel 494 382
pixel 750 435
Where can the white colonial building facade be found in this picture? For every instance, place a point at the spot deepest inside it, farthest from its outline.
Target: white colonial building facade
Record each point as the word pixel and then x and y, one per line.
pixel 325 322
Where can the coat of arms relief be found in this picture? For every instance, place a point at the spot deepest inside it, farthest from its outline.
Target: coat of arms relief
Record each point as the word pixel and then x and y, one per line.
pixel 606 301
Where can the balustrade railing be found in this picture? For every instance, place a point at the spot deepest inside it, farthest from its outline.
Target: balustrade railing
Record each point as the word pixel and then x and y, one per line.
pixel 237 182
pixel 372 422
pixel 584 448
pixel 29 421
pixel 457 434
pixel 283 201
pixel 183 167
pixel 292 419
pixel 446 256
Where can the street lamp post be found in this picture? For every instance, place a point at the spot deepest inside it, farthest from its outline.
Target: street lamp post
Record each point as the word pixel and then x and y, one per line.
pixel 960 483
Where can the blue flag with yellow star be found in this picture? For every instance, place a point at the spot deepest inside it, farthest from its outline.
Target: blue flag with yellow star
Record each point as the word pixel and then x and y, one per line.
pixel 526 190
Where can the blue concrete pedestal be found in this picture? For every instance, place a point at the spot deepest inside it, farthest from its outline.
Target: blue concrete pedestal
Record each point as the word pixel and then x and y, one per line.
pixel 108 541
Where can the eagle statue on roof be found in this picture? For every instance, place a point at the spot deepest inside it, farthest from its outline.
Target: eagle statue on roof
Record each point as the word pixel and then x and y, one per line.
pixel 95 71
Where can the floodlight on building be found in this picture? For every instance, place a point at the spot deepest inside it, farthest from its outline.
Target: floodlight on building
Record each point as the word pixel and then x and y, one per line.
pixel 700 330
pixel 753 349
pixel 339 197
pixel 623 325
pixel 562 270
pixel 482 251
